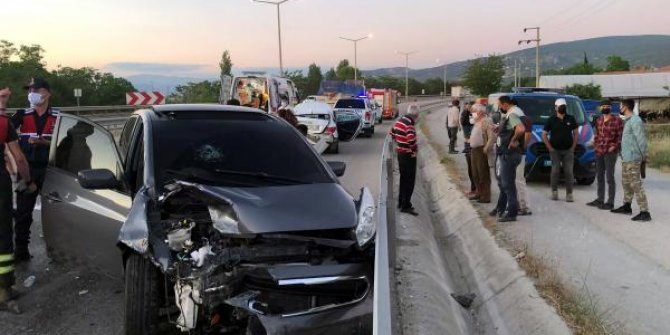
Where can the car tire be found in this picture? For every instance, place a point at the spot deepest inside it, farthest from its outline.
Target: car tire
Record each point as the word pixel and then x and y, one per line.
pixel 334 148
pixel 142 296
pixel 586 181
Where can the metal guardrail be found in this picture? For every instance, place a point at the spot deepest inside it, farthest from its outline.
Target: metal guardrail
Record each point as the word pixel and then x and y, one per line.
pixel 383 315
pixel 93 110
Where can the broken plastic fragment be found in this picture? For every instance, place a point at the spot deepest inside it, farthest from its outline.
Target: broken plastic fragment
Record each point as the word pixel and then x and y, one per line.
pixel 188 298
pixel 199 256
pixel 224 219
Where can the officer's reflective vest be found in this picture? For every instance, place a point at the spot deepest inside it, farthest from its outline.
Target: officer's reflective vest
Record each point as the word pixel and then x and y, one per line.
pixel 34 153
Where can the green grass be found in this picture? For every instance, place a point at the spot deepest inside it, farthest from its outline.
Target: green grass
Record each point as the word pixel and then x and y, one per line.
pixel 658 136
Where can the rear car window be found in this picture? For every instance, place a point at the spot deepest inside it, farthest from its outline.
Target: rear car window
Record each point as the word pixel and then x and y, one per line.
pixel 350 103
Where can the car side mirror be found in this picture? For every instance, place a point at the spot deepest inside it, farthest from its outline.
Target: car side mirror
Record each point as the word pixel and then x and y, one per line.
pixel 338 168
pixel 97 179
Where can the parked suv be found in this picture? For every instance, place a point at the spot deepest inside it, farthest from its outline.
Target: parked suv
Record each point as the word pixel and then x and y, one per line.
pixel 539 106
pixel 361 106
pixel 224 218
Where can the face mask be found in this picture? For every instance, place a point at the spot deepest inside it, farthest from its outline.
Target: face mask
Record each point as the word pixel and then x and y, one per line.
pixel 34 98
pixel 606 111
pixel 473 117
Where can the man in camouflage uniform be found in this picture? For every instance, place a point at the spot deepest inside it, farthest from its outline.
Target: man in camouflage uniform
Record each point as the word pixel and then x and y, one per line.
pixel 633 156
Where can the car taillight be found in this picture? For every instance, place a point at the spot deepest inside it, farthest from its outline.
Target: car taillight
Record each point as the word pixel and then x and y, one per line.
pixel 330 130
pixel 368 116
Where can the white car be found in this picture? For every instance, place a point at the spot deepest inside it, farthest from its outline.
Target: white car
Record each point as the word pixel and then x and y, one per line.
pixel 323 125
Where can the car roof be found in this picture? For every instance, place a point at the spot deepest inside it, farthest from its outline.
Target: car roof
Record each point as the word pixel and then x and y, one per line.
pixel 312 107
pixel 154 112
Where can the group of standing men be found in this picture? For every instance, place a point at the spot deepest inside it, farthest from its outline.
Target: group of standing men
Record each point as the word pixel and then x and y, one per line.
pixel 500 150
pixel 27 150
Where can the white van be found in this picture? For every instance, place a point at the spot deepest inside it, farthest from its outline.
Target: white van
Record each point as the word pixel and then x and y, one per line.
pixel 265 92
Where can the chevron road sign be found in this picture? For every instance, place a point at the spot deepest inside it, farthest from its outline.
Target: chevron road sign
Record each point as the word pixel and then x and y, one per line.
pixel 144 98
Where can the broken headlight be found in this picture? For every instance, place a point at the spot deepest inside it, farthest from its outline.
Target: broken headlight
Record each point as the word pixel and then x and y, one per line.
pixel 367 226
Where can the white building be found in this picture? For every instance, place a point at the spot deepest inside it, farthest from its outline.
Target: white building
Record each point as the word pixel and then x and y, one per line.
pixel 651 89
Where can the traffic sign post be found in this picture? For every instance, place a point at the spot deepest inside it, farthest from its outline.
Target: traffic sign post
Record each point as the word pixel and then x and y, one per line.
pixel 77 95
pixel 144 98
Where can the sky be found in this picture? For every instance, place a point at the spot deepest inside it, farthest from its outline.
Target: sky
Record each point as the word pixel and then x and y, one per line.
pixel 186 37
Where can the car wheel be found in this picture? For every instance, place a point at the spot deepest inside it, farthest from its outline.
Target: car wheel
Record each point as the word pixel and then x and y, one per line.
pixel 142 296
pixel 586 181
pixel 334 148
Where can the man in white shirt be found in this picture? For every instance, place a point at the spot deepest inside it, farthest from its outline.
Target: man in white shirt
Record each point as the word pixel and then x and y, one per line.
pixel 453 123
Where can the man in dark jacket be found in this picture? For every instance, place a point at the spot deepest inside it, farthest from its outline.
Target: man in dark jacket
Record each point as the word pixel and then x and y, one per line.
pixel 466 125
pixel 562 128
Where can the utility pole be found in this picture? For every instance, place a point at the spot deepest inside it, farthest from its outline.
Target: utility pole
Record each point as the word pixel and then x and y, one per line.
pixel 278 4
pixel 537 52
pixel 406 54
pixel 516 76
pixel 445 75
pixel 356 40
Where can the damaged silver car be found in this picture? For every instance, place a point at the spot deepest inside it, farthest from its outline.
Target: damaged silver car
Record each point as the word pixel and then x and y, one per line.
pixel 225 220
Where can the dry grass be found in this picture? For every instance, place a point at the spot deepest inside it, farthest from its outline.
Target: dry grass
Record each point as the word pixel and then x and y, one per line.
pixel 580 311
pixel 658 136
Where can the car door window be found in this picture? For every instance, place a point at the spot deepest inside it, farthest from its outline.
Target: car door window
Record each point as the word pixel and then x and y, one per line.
pixel 82 145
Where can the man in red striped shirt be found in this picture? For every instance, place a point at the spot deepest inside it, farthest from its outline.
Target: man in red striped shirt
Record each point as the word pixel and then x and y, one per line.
pixel 404 135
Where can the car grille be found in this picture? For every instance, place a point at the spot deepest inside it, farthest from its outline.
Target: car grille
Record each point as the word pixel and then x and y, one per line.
pixel 539 149
pixel 293 297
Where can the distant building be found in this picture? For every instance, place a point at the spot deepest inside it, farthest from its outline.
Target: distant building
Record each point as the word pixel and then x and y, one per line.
pixel 651 88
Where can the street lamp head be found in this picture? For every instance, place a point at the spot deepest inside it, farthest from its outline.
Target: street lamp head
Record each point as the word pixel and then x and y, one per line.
pixel 525 29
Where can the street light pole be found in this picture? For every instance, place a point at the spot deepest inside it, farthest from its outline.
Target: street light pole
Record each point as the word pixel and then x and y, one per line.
pixel 537 53
pixel 445 75
pixel 356 40
pixel 277 3
pixel 406 54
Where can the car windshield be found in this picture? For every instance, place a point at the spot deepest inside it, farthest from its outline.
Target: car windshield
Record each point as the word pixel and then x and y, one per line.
pixel 539 109
pixel 350 103
pixel 233 149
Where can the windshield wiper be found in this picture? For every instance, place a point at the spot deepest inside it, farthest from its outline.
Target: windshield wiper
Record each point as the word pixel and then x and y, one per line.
pixel 262 175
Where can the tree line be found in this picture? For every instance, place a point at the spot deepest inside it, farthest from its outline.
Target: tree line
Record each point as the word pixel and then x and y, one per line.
pixel 307 84
pixel 18 64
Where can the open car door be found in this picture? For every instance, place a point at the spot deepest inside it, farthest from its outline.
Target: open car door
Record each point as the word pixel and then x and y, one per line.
pixel 349 125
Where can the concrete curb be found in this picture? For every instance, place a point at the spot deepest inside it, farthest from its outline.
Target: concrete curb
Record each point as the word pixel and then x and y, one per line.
pixel 506 298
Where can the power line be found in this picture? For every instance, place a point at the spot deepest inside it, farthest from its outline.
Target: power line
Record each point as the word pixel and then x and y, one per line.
pixel 544 23
pixel 587 12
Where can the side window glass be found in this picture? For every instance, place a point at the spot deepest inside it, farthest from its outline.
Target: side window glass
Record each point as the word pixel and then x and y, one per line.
pixel 81 146
pixel 126 136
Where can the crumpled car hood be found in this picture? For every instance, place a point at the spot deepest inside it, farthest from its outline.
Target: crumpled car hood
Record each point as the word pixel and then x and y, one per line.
pixel 289 208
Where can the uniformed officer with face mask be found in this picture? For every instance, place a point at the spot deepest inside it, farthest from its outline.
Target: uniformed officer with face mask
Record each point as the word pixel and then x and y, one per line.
pixel 35 125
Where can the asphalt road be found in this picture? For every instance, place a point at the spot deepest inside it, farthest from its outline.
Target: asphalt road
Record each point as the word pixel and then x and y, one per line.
pixel 72 299
pixel 623 266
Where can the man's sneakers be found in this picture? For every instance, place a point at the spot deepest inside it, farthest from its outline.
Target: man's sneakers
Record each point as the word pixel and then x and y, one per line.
pixel 601 205
pixel 495 212
pixel 554 195
pixel 409 211
pixel 525 212
pixel 453 152
pixel 643 216
pixel 22 255
pixel 569 197
pixel 606 207
pixel 625 209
